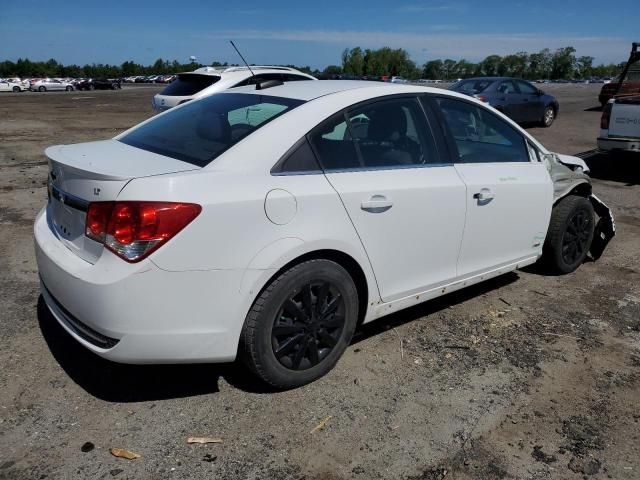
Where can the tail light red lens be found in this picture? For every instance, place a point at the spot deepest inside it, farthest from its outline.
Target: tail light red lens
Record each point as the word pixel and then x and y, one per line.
pixel 482 98
pixel 606 116
pixel 132 230
pixel 98 216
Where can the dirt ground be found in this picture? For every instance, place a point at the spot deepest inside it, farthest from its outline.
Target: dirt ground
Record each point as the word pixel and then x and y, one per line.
pixel 524 377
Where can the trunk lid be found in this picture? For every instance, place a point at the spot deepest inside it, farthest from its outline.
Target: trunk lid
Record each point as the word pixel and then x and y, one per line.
pixel 625 118
pixel 94 172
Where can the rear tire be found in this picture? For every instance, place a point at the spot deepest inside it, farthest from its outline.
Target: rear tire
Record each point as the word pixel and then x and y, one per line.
pixel 301 324
pixel 16 89
pixel 570 234
pixel 548 117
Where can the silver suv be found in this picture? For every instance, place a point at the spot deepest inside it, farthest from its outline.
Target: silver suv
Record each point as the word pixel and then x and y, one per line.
pixel 209 80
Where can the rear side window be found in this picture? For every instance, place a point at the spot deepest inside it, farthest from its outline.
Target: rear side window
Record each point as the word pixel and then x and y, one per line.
pixel 507 87
pixel 471 87
pixel 200 131
pixel 392 133
pixel 480 136
pixel 300 160
pixel 526 88
pixel 189 84
pixel 380 135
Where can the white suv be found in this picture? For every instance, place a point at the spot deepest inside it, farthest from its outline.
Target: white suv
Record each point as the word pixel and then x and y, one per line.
pixel 206 81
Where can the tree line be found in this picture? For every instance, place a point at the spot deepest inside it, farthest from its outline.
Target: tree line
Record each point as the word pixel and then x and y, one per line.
pixel 545 64
pixel 25 68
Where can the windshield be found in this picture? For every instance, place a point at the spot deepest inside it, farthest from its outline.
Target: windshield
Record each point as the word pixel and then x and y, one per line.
pixel 471 87
pixel 189 84
pixel 201 130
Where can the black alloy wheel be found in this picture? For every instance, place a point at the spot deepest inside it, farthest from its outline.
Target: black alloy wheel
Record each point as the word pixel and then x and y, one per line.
pixel 300 323
pixel 577 236
pixel 308 326
pixel 570 234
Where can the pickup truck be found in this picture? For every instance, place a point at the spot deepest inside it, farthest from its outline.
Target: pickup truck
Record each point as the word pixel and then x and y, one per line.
pixel 620 121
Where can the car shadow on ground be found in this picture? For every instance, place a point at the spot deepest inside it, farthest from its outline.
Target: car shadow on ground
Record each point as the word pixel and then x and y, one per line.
pixel 597 108
pixel 114 382
pixel 614 166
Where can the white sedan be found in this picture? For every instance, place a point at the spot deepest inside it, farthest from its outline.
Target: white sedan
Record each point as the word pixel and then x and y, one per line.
pixel 268 222
pixel 11 86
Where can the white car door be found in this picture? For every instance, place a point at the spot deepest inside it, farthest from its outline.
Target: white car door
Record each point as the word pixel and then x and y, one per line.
pixel 5 87
pixel 509 192
pixel 408 207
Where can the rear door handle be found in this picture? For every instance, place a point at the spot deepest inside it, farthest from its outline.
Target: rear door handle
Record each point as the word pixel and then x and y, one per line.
pixel 484 195
pixel 377 204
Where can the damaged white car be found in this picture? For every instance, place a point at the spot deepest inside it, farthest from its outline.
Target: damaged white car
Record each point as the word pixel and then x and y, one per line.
pixel 268 222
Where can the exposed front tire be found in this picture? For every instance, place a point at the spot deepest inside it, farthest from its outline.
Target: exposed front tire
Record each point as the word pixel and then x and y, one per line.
pixel 42 89
pixel 548 117
pixel 301 324
pixel 69 88
pixel 16 89
pixel 570 234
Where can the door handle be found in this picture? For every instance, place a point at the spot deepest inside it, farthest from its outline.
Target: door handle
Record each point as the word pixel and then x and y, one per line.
pixel 377 204
pixel 484 195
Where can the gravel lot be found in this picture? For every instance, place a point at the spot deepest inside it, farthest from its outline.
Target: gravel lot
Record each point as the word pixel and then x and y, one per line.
pixel 527 376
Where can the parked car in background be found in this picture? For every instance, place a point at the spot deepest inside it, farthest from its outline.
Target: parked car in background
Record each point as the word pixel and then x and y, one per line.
pixel 267 222
pixel 628 82
pixel 11 86
pixel 50 84
pixel 99 84
pixel 516 98
pixel 620 122
pixel 209 80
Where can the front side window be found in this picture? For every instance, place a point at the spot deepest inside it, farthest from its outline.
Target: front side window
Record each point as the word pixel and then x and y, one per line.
pixel 200 131
pixel 189 84
pixel 480 136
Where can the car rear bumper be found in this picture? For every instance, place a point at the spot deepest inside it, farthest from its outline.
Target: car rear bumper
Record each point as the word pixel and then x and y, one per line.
pixel 139 313
pixel 628 144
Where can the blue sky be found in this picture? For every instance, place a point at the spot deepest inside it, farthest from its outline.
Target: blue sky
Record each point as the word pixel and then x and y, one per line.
pixel 310 33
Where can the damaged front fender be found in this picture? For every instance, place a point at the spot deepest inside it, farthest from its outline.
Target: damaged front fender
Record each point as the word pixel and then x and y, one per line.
pixel 569 174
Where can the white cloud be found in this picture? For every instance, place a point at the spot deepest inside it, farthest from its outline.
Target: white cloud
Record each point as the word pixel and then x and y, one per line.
pixel 436 44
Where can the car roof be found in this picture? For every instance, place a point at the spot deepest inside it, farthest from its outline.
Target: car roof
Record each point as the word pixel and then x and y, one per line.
pixel 239 70
pixel 310 90
pixel 493 79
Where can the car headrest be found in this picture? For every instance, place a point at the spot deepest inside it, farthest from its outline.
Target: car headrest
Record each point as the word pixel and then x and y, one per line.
pixel 214 126
pixel 387 123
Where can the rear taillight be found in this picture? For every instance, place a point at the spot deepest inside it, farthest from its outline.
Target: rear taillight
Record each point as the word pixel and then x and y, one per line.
pixel 606 116
pixel 482 98
pixel 132 230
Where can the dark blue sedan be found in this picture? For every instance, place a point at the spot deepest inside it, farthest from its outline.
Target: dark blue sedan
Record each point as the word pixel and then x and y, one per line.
pixel 516 98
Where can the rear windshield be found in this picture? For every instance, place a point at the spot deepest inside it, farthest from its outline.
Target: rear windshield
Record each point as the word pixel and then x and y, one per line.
pixel 189 84
pixel 471 87
pixel 201 130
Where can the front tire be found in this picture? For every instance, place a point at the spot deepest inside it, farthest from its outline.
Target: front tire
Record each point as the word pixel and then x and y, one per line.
pixel 42 89
pixel 69 88
pixel 570 234
pixel 301 324
pixel 548 117
pixel 16 89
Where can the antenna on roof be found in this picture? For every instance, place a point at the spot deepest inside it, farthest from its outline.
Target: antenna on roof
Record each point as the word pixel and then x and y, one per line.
pixel 245 62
